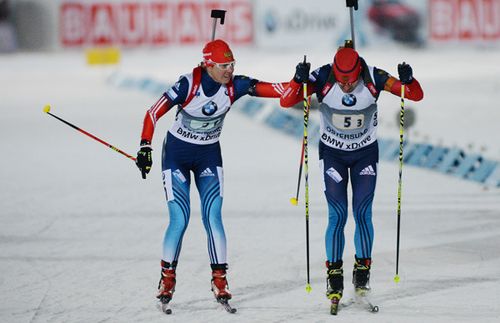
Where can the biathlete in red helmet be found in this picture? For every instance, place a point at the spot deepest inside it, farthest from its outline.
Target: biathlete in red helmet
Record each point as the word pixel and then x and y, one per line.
pixel 348 90
pixel 203 98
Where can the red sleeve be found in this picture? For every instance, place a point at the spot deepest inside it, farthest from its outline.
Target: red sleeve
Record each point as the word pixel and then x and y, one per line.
pixel 413 91
pixel 293 94
pixel 162 106
pixel 270 90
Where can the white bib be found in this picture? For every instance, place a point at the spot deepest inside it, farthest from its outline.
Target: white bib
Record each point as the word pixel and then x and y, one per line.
pixel 201 120
pixel 349 120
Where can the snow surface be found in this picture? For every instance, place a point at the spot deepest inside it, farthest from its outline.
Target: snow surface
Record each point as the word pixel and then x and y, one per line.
pixel 81 232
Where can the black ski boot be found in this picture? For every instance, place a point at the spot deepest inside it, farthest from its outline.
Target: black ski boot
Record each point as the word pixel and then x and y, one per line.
pixel 361 275
pixel 334 284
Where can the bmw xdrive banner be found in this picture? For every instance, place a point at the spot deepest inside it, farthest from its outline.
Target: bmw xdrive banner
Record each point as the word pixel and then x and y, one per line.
pixel 326 23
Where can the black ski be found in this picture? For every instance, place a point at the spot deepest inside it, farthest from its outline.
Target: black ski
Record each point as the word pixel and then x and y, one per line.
pixel 368 304
pixel 225 304
pixel 362 301
pixel 164 306
pixel 362 297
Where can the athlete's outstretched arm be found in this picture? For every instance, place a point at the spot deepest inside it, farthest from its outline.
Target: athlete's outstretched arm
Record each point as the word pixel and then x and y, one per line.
pixel 162 106
pixel 244 85
pixel 268 90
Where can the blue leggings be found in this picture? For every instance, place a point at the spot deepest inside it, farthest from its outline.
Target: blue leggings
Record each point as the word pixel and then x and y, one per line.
pixel 178 160
pixel 337 167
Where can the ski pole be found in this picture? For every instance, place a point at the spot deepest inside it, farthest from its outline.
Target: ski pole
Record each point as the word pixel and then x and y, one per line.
pixel 295 200
pixel 400 181
pixel 215 14
pixel 352 4
pixel 306 177
pixel 46 109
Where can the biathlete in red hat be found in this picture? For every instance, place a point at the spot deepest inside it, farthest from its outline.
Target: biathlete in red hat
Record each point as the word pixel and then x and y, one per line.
pixel 347 91
pixel 203 98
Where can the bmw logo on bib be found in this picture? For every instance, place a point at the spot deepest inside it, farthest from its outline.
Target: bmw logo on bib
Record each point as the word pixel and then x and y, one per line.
pixel 349 100
pixel 209 108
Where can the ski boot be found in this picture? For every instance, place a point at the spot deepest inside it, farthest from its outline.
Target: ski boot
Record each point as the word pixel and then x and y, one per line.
pixel 220 287
pixel 361 276
pixel 219 282
pixel 166 285
pixel 334 284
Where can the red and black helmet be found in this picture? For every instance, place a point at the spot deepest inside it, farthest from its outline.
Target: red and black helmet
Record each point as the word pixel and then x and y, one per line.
pixel 346 65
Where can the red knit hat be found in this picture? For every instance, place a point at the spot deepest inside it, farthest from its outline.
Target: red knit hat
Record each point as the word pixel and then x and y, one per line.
pixel 346 65
pixel 217 51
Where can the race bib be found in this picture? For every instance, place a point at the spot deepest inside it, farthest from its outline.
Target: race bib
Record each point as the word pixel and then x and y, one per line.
pixel 203 126
pixel 348 121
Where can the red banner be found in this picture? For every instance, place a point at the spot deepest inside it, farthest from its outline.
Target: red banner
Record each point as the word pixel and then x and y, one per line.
pixel 464 20
pixel 152 23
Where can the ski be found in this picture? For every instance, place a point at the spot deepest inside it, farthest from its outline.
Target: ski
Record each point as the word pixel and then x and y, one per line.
pixel 334 306
pixel 164 306
pixel 225 304
pixel 362 302
pixel 362 296
pixel 347 303
pixel 360 299
pixel 368 304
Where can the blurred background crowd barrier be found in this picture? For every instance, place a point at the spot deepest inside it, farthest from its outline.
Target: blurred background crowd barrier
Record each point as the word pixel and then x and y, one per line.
pixel 76 24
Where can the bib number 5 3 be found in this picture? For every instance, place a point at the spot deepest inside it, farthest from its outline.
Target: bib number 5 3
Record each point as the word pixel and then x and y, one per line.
pixel 348 122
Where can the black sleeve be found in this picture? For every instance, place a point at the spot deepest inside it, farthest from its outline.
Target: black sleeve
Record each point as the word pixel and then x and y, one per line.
pixel 178 92
pixel 243 85
pixel 379 78
pixel 320 77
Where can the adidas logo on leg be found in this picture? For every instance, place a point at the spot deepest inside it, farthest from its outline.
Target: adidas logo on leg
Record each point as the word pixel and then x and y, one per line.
pixel 207 172
pixel 368 171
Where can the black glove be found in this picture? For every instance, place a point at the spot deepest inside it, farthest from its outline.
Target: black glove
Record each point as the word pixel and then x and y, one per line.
pixel 302 72
pixel 144 158
pixel 405 73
